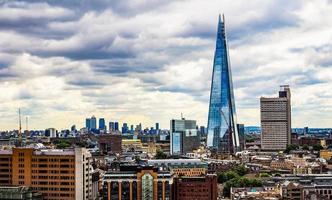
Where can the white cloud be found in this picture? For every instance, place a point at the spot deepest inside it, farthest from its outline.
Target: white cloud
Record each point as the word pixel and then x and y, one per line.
pixel 153 62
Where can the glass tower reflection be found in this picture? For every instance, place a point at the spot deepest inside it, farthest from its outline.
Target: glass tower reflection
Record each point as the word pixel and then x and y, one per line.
pixel 222 132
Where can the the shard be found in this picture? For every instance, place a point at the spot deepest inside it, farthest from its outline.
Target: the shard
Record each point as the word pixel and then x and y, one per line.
pixel 222 128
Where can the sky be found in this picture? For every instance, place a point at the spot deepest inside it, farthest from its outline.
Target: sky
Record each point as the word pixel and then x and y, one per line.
pixel 149 61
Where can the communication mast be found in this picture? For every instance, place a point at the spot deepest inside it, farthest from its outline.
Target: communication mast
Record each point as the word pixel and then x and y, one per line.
pixel 20 129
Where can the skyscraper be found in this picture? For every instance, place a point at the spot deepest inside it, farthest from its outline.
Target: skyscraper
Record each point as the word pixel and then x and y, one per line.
pixel 93 123
pixel 222 132
pixel 111 126
pixel 276 120
pixel 101 124
pixel 116 126
pixel 88 123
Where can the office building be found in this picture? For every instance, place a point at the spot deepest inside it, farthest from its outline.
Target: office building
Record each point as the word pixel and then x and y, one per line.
pixel 116 126
pixel 276 120
pixel 222 132
pixel 124 128
pixel 56 174
pixel 137 182
pixel 111 126
pixel 88 123
pixel 240 128
pixel 157 126
pixel 102 124
pixel 51 132
pixel 188 188
pixel 93 123
pixel 184 137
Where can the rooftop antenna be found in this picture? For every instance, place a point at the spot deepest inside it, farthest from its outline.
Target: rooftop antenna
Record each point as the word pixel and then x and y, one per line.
pixel 20 128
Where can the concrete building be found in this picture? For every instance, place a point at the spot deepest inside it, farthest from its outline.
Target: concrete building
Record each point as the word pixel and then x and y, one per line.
pixel 276 120
pixel 184 136
pixel 55 173
pixel 199 188
pixel 137 182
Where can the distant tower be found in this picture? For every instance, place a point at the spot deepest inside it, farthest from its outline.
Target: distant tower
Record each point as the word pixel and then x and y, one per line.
pixel 20 128
pixel 276 120
pixel 222 131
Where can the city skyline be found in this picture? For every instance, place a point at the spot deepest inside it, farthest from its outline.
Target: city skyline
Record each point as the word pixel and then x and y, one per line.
pixel 63 62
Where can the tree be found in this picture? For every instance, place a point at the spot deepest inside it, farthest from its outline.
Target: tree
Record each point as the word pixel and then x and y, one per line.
pixel 62 145
pixel 160 154
pixel 240 182
pixel 262 175
pixel 291 147
pixel 317 147
pixel 305 147
pixel 241 170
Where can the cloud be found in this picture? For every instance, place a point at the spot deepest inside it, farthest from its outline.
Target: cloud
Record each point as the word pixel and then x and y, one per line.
pixel 147 61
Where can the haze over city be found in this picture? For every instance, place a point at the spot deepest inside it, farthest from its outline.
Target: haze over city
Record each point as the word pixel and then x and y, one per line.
pixel 143 61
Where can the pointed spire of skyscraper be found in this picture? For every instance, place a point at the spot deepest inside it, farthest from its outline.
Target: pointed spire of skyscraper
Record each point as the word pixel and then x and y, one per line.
pixel 222 131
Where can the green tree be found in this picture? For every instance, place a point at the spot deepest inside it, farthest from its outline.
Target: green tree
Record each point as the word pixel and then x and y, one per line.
pixel 62 145
pixel 317 147
pixel 160 154
pixel 305 147
pixel 241 170
pixel 240 182
pixel 262 175
pixel 291 147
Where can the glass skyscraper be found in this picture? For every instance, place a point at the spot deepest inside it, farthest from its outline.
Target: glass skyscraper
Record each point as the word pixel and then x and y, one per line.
pixel 222 131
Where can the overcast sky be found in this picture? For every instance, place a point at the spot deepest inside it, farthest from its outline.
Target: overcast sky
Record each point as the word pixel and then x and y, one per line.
pixel 149 61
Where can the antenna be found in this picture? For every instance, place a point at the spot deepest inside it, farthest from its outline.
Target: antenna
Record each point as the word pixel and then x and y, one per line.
pixel 20 128
pixel 26 123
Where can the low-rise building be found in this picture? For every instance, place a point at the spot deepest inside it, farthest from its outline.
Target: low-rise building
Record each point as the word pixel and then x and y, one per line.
pixel 181 167
pixel 137 182
pixel 200 188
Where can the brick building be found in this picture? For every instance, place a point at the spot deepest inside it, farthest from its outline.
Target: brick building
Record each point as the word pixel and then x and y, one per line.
pixel 198 188
pixel 110 144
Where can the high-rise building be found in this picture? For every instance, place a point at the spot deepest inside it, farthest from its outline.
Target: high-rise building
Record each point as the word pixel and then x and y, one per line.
pixel 101 124
pixel 116 126
pixel 124 128
pixel 111 126
pixel 51 132
pixel 157 126
pixel 93 123
pixel 222 132
pixel 276 120
pixel 88 123
pixel 184 137
pixel 55 173
pixel 240 128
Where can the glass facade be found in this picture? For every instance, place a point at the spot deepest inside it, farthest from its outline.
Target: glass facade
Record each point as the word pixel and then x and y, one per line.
pixel 147 187
pixel 222 131
pixel 176 143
